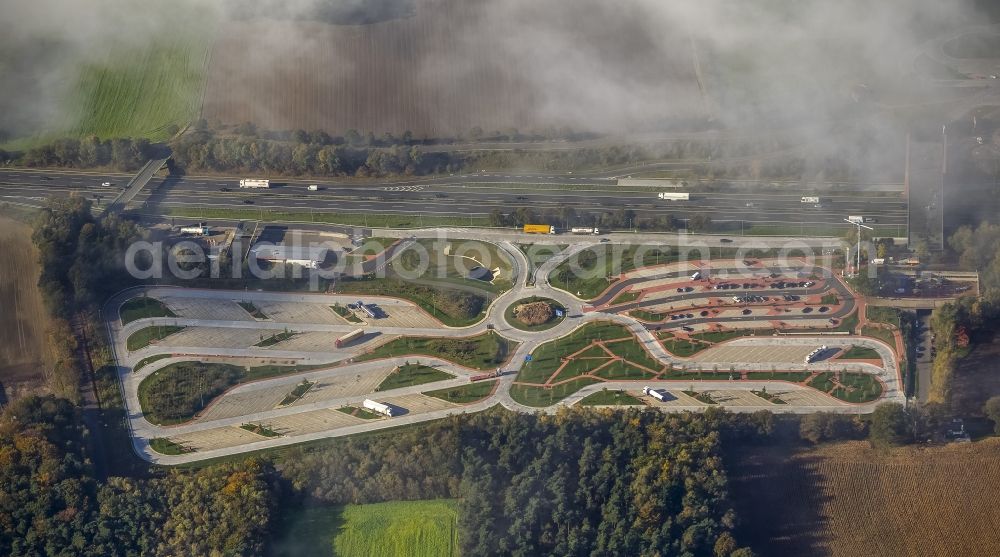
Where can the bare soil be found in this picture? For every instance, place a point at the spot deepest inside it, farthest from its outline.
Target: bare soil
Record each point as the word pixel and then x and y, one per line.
pixel 22 315
pixel 453 65
pixel 848 499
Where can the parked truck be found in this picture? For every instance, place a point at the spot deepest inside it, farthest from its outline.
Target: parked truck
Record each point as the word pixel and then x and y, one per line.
pixel 539 229
pixel 585 230
pixel 349 338
pixel 658 395
pixel 383 409
pixel 674 196
pixel 199 230
pixel 250 183
pixel 810 199
pixel 484 376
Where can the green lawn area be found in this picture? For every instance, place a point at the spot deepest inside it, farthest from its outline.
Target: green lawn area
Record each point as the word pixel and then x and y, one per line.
pixel 634 352
pixel 880 333
pixel 275 339
pixel 142 308
pixel 822 382
pixel 865 388
pixel 260 430
pixel 148 360
pixel 626 297
pixel 253 310
pixel 649 316
pixel 514 322
pixel 623 370
pixel 166 446
pixel 394 529
pixel 704 398
pixel 529 395
pixel 860 353
pixel 829 299
pixel 412 374
pixel 144 337
pixel 483 351
pixel 880 314
pixel 454 307
pixel 297 392
pixel 683 348
pixel 374 220
pixel 547 358
pixel 180 390
pixel 359 412
pixel 607 397
pixel 345 313
pixel 466 394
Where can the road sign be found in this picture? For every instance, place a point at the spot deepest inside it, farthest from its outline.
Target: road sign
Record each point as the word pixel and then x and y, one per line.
pixel 527 358
pixel 560 313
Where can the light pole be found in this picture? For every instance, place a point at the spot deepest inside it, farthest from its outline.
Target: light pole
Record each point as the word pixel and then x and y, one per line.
pixel 857 268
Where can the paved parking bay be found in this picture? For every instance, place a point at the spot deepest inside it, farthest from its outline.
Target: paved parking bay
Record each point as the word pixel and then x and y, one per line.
pixel 216 438
pixel 755 354
pixel 312 421
pixel 343 386
pixel 244 403
pixel 216 337
pixel 299 312
pixel 194 308
pixel 417 404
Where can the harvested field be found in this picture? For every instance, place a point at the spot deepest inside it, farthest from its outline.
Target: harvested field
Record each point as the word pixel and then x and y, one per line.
pixel 451 66
pixel 22 321
pixel 850 500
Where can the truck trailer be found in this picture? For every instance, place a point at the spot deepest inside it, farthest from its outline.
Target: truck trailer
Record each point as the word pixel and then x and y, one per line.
pixel 672 196
pixel 585 230
pixel 349 337
pixel 658 395
pixel 250 183
pixel 199 230
pixel 383 409
pixel 539 229
pixel 810 199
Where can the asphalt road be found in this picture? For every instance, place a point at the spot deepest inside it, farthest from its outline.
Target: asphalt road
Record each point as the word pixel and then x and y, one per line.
pixel 466 195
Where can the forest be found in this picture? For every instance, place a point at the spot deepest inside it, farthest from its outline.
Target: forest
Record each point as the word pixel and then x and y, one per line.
pixel 578 483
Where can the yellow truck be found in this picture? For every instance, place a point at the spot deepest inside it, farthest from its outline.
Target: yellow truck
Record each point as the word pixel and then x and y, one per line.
pixel 539 229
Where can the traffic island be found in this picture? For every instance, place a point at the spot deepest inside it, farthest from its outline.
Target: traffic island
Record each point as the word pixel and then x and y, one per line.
pixel 534 314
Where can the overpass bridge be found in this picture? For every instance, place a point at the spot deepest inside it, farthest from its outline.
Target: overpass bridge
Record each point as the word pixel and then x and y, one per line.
pixel 134 186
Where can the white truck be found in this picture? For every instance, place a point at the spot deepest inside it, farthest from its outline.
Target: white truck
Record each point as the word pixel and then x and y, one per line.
pixel 674 196
pixel 313 187
pixel 658 395
pixel 810 199
pixel 383 409
pixel 696 275
pixel 250 183
pixel 585 230
pixel 199 230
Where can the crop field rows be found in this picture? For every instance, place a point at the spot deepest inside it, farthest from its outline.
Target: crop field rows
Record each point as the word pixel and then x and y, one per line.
pixel 21 331
pixel 849 499
pixel 404 74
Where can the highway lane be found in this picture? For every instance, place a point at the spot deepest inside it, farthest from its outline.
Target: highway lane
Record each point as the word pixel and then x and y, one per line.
pixel 470 194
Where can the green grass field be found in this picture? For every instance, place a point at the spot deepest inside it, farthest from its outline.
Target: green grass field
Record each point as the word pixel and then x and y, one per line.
pixel 547 358
pixel 530 395
pixel 144 337
pixel 393 529
pixel 607 397
pixel 483 351
pixel 860 353
pixel 466 394
pixel 148 360
pixel 143 92
pixel 142 308
pixel 412 374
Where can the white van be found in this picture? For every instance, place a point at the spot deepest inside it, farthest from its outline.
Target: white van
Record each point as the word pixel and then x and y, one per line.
pixel 696 275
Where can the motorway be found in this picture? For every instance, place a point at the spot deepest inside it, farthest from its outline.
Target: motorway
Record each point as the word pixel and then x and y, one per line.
pixel 469 195
pixel 143 431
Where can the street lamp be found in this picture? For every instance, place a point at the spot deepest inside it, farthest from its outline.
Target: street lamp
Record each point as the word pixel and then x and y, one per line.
pixel 857 268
